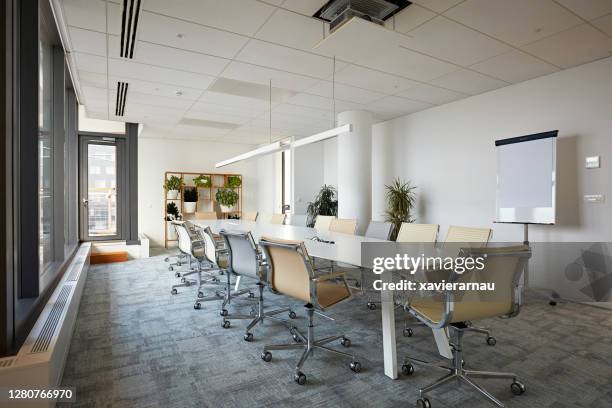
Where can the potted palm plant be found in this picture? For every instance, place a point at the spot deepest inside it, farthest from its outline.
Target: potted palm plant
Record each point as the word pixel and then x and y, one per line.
pixel 400 200
pixel 190 198
pixel 325 203
pixel 172 187
pixel 227 199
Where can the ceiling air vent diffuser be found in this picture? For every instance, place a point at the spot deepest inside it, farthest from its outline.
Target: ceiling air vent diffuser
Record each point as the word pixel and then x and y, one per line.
pixel 129 24
pixel 337 12
pixel 122 88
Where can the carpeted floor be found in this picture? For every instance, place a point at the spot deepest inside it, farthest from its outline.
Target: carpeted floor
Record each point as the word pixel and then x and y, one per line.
pixel 136 345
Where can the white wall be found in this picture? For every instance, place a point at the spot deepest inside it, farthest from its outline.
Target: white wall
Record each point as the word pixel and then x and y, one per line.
pixel 330 162
pixel 448 152
pixel 157 155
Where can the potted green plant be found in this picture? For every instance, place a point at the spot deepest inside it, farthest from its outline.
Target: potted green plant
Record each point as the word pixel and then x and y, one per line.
pixel 325 203
pixel 227 199
pixel 202 181
pixel 190 199
pixel 172 212
pixel 233 182
pixel 172 186
pixel 400 200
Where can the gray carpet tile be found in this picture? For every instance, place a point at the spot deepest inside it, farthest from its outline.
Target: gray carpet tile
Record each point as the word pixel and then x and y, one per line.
pixel 136 345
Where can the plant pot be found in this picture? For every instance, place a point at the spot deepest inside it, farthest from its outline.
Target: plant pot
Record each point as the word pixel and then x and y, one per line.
pixel 189 207
pixel 225 208
pixel 172 194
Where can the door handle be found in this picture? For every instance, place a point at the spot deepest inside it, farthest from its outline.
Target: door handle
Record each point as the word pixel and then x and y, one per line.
pixel 85 202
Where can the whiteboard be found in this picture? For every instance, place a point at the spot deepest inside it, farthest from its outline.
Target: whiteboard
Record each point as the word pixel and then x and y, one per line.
pixel 526 167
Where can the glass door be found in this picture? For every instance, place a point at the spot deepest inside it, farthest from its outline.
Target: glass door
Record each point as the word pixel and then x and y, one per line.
pixel 100 188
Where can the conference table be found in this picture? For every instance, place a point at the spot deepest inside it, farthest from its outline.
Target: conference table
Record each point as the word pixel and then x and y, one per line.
pixel 341 248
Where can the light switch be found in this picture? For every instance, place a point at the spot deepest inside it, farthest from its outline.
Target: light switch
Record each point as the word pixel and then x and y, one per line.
pixel 592 162
pixel 594 198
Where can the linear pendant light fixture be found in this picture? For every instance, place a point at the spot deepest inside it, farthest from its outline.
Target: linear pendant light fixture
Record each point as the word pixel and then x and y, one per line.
pixel 267 149
pixel 328 134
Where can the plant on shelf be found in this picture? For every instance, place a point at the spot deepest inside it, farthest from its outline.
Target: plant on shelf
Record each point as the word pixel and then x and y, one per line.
pixel 202 181
pixel 325 203
pixel 172 186
pixel 190 198
pixel 400 200
pixel 233 182
pixel 172 212
pixel 227 199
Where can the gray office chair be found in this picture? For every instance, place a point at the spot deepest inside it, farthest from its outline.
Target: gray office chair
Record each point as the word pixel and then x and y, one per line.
pixel 379 230
pixel 192 244
pixel 299 220
pixel 180 258
pixel 245 260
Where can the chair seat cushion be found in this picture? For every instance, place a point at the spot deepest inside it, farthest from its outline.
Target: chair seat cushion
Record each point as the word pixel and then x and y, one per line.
pixel 329 293
pixel 433 310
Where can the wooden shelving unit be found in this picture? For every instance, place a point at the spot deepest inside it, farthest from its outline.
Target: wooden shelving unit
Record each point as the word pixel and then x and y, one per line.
pixel 206 198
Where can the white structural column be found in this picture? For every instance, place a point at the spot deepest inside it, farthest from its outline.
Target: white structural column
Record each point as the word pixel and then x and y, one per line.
pixel 382 172
pixel 355 168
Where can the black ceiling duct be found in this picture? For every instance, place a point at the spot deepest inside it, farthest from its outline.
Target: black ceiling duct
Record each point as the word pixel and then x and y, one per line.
pixel 337 12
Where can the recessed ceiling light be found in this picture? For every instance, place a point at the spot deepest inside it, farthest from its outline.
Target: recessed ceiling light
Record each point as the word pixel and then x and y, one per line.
pixel 179 93
pixel 180 35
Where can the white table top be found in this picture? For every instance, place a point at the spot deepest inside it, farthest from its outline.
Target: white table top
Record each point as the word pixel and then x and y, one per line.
pixel 346 248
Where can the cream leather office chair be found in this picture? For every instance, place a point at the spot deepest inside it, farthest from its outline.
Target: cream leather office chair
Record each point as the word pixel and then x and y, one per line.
pixel 299 220
pixel 502 267
pixel 291 274
pixel 205 215
pixel 379 230
pixel 323 222
pixel 410 232
pixel 277 219
pixel 181 257
pixel 246 260
pixel 250 215
pixel 343 225
pixel 477 237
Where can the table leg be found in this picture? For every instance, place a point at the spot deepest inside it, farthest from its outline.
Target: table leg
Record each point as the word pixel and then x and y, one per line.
pixel 388 328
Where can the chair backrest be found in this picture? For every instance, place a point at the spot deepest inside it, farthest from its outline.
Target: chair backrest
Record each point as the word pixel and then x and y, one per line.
pixel 184 240
pixel 290 267
pixel 244 257
pixel 379 230
pixel 477 237
pixel 205 215
pixel 250 215
pixel 299 220
pixel 277 219
pixel 504 267
pixel 343 225
pixel 410 232
pixel 210 247
pixel 323 222
pixel 202 242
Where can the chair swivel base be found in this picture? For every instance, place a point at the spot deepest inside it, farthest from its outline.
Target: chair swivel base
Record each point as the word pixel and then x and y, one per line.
pixel 308 343
pixel 458 373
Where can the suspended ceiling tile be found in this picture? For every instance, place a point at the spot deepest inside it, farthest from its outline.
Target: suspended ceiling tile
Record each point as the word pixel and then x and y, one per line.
pixel 516 22
pixel 439 6
pixel 604 24
pixel 573 47
pixel 373 80
pixel 262 75
pixel 409 18
pixel 345 92
pixel 468 82
pixel 515 66
pixel 292 29
pixel 588 9
pixel 432 94
pixel 129 69
pixel 86 41
pixel 91 63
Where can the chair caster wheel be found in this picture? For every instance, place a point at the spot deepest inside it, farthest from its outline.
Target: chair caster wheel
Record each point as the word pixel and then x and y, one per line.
pixel 253 313
pixel 174 291
pixel 248 337
pixel 177 275
pixel 345 342
pixel 491 341
pixel 408 369
pixel 292 314
pixel 200 294
pixel 299 378
pixel 423 403
pixel 358 284
pixel 170 268
pixel 552 303
pixel 408 332
pixel 371 305
pixel 226 324
pixel 183 280
pixel 296 338
pixel 221 272
pixel 251 295
pixel 355 366
pixel 266 356
pixel 166 259
pixel 224 312
pixel 197 305
pixel 517 388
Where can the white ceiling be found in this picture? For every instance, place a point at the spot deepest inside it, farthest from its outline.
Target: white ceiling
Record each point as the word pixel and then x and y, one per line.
pixel 202 66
